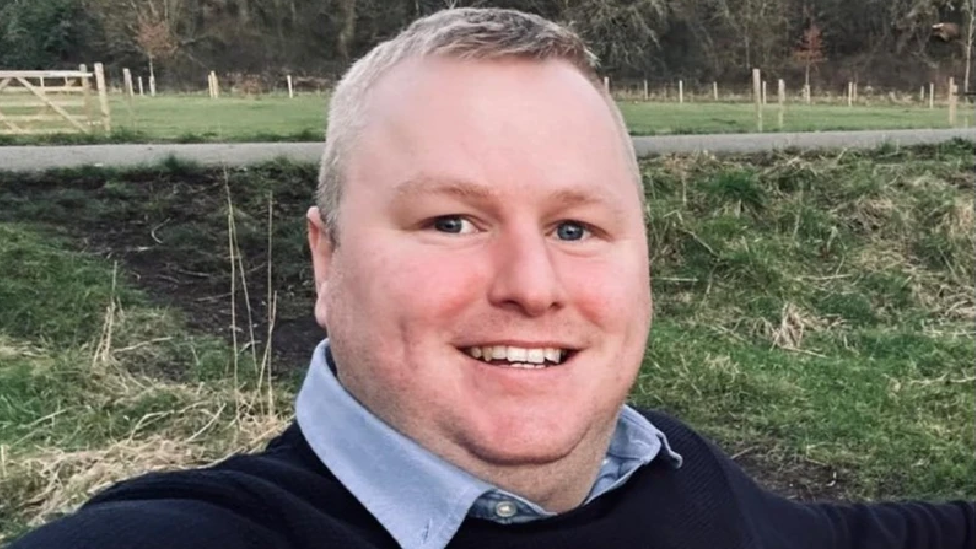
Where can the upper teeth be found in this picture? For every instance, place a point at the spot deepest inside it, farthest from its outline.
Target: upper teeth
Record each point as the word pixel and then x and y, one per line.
pixel 516 354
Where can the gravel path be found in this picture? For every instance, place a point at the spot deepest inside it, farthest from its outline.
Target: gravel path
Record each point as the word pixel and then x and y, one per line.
pixel 31 157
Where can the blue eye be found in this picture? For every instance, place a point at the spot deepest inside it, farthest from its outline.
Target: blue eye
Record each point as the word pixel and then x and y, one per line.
pixel 451 224
pixel 571 231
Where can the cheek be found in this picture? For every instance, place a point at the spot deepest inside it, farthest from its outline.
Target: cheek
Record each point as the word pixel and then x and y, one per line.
pixel 417 289
pixel 612 293
pixel 393 307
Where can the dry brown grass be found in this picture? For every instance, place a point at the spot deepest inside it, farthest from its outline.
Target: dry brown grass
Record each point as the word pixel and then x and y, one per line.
pixel 793 325
pixel 211 422
pixel 958 222
pixel 202 423
pixel 53 481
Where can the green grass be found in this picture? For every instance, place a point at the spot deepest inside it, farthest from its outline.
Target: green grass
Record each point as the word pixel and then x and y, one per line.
pixel 83 402
pixel 195 118
pixel 711 117
pixel 814 314
pixel 822 309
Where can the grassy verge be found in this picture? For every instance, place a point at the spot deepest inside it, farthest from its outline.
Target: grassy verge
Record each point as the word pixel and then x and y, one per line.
pixel 817 314
pixel 83 402
pixel 197 119
pixel 814 314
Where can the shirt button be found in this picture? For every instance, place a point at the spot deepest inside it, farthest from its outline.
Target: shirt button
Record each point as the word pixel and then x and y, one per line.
pixel 505 509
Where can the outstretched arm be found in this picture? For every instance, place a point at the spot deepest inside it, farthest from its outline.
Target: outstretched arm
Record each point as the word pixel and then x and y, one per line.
pixel 895 525
pixel 149 524
pixel 836 525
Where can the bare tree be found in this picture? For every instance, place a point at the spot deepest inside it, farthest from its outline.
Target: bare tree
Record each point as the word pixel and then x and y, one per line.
pixel 810 51
pixel 885 41
pixel 971 8
pixel 952 33
pixel 624 33
pixel 348 9
pixel 153 34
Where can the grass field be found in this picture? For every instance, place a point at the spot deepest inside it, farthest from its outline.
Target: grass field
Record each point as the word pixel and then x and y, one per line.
pixel 814 314
pixel 195 118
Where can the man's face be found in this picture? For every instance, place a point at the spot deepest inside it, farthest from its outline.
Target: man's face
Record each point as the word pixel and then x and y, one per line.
pixel 488 208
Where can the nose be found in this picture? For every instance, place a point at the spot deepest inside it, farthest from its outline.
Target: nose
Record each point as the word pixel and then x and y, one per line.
pixel 526 279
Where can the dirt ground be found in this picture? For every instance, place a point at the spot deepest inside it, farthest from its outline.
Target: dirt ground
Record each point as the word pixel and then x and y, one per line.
pixel 169 230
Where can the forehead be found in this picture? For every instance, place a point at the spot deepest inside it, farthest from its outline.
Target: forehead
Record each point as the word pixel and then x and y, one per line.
pixel 515 125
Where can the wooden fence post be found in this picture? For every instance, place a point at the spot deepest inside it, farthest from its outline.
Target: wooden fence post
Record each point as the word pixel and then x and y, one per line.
pixel 781 93
pixel 102 96
pixel 952 102
pixel 757 96
pixel 86 94
pixel 213 85
pixel 128 93
pixel 127 82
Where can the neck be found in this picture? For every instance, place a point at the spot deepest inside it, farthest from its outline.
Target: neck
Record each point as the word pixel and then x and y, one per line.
pixel 558 486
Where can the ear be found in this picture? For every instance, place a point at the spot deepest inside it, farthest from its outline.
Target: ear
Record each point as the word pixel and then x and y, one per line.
pixel 320 246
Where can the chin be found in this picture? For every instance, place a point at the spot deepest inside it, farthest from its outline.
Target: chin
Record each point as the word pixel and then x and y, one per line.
pixel 536 454
pixel 520 442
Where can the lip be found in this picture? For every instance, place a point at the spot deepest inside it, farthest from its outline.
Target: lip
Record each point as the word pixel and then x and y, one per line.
pixel 521 344
pixel 571 359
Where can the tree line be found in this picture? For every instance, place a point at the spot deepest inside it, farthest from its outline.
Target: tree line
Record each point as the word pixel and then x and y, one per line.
pixel 881 43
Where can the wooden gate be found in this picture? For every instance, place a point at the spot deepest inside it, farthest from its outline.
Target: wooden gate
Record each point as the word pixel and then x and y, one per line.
pixel 46 102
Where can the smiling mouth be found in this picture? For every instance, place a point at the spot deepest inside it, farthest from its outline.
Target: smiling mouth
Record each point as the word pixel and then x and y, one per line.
pixel 519 357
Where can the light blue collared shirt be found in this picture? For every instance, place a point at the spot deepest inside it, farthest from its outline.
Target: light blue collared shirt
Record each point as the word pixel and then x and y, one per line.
pixel 418 497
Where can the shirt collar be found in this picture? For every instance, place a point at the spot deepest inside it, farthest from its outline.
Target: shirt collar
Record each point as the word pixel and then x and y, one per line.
pixel 418 497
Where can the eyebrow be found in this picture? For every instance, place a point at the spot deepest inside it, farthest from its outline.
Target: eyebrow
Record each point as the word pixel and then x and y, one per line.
pixel 429 184
pixel 477 192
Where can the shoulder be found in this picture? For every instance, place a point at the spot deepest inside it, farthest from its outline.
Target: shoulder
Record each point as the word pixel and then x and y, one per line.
pixel 149 524
pixel 696 449
pixel 242 482
pixel 681 437
pixel 710 473
pixel 238 502
pixel 707 470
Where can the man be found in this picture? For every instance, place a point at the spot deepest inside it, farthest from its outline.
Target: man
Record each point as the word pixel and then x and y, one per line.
pixel 481 266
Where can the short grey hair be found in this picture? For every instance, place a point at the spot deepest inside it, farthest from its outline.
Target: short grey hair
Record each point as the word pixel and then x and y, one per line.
pixel 462 33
